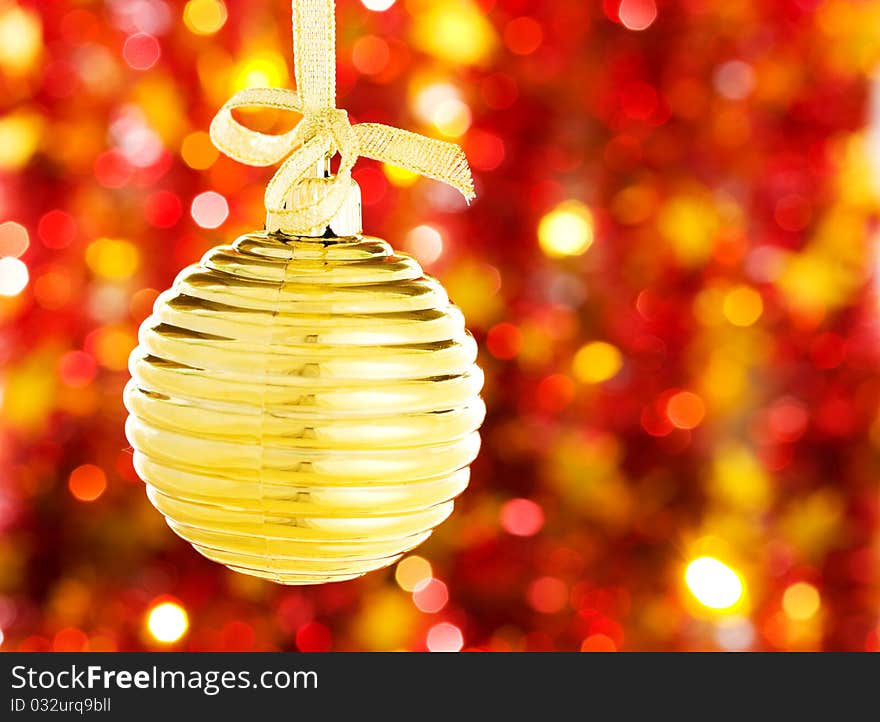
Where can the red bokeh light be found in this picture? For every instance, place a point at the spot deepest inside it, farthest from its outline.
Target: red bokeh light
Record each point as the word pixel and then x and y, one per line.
pixel 522 517
pixel 313 637
pixel 57 229
pixel 163 209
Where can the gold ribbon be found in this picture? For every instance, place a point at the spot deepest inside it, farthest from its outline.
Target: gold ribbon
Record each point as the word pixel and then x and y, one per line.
pixel 325 130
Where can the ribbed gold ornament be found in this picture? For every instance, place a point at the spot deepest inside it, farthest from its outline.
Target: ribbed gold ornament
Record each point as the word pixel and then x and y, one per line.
pixel 304 409
pixel 304 404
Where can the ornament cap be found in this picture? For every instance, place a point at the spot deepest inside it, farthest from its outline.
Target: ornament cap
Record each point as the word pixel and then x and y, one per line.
pixel 347 222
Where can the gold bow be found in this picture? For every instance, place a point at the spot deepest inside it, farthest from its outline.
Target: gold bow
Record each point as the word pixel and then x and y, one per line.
pixel 325 130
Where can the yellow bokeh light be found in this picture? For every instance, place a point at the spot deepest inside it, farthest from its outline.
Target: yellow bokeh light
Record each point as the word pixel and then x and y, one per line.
pixel 743 306
pixel 812 524
pixel 456 31
pixel 260 70
pixel 739 479
pixel 21 39
pixel 596 362
pixel 567 230
pixel 20 134
pixel 827 273
pixel 386 623
pixel 690 225
pixel 475 286
pixel 714 584
pixel 29 395
pixel 724 381
pixel 198 151
pixel 167 622
pixel 411 572
pixel 399 177
pixel 801 601
pixel 204 17
pixel 113 259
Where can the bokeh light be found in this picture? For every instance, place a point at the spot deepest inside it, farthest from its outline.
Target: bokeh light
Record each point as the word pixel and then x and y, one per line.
pixel 743 306
pixel 87 482
pixel 412 571
pixel 425 243
pixel 167 622
pixel 77 369
pixel 260 69
pixel 370 54
pixel 548 595
pixel 14 239
pixel 598 643
pixel 685 410
pixel 504 340
pixel 735 634
pixel 400 177
pixel 735 79
pixel 21 38
pixel 204 17
pixel 112 258
pixel 523 35
pixel 141 51
pixel 313 637
pixel 596 362
pixel 567 230
pixel 430 595
pixel 14 276
pixel 801 601
pixel 57 229
pixel 197 150
pixel 442 106
pixel 378 5
pixel 637 14
pixel 209 209
pixel 714 584
pixel 162 209
pixel 444 637
pixel 522 517
pixel 455 31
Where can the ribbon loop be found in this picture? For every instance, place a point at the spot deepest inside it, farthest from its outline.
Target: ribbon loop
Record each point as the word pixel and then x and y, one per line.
pixel 325 130
pixel 250 146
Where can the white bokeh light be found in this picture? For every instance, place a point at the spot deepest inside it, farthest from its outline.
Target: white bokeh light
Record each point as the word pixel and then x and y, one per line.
pixel 445 637
pixel 167 622
pixel 13 276
pixel 378 5
pixel 425 243
pixel 713 583
pixel 209 209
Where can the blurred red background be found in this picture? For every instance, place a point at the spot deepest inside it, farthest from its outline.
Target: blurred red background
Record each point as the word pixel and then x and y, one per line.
pixel 670 269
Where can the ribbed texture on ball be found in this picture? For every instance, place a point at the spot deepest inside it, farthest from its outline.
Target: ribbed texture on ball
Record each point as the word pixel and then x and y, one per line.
pixel 304 410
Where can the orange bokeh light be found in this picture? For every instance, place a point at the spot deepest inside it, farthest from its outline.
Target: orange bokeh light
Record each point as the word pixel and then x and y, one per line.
pixel 87 482
pixel 685 410
pixel 598 643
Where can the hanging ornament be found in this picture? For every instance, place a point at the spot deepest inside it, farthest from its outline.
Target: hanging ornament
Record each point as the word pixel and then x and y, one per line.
pixel 304 403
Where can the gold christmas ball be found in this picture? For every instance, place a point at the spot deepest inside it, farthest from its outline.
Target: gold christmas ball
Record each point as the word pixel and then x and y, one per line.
pixel 304 409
